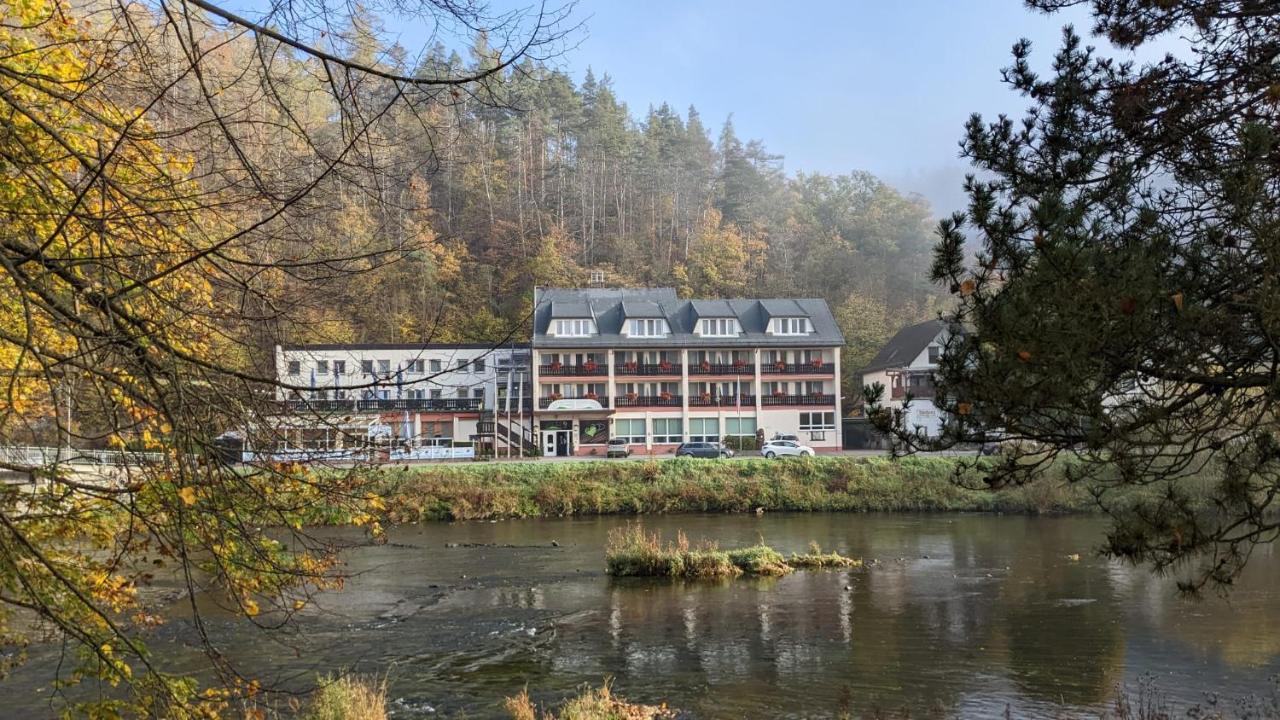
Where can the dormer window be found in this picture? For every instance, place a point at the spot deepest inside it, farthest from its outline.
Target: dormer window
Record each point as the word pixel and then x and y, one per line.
pixel 720 327
pixel 575 328
pixel 791 326
pixel 648 327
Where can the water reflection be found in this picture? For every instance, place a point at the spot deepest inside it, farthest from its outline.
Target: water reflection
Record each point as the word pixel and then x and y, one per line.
pixel 953 615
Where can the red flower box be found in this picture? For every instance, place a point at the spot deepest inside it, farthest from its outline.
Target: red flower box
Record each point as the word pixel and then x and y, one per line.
pixel 779 366
pixel 664 365
pixel 631 396
pixel 590 366
pixel 665 395
pixel 556 365
pixel 706 366
pixel 630 365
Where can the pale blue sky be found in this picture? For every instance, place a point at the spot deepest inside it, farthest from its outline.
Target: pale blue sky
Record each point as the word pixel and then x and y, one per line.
pixel 876 85
pixel 832 85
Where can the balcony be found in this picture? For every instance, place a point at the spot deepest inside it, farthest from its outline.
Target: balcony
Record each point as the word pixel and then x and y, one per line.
pixel 798 400
pixel 736 368
pixel 809 368
pixel 380 405
pixel 544 403
pixel 923 391
pixel 649 401
pixel 589 369
pixel 723 401
pixel 637 369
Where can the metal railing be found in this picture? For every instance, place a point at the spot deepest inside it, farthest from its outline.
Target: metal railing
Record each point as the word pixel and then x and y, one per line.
pixel 710 368
pixel 649 401
pixel 31 456
pixel 585 369
pixel 375 404
pixel 638 368
pixel 722 400
pixel 798 400
pixel 807 368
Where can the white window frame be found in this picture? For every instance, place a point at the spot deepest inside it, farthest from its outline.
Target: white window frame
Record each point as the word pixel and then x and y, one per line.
pixel 818 420
pixel 647 327
pixel 701 435
pixel 739 421
pixel 293 367
pixel 339 367
pixel 665 436
pixel 575 327
pixel 792 326
pixel 720 327
pixel 630 436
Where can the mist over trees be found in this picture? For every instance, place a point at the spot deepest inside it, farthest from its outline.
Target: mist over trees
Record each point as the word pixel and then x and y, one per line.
pixel 548 180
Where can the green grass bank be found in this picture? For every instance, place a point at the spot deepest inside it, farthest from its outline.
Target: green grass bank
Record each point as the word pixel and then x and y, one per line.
pixel 828 484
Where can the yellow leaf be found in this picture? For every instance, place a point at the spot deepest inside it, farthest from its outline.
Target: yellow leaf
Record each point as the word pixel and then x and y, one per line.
pixel 188 495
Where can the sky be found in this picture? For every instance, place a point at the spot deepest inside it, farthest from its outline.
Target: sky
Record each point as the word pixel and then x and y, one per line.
pixel 833 86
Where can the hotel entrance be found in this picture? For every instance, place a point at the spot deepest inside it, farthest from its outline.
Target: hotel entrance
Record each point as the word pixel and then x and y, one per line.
pixel 557 438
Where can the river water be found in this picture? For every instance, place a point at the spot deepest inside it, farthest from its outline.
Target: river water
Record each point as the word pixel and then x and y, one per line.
pixel 962 615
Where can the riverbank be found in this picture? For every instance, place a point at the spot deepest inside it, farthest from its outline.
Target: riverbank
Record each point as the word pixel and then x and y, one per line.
pixel 821 484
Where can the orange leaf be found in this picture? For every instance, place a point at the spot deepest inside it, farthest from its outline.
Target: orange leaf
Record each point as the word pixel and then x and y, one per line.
pixel 967 287
pixel 188 495
pixel 1024 355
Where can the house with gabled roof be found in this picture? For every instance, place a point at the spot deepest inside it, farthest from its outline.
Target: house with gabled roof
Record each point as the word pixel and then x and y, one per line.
pixel 905 367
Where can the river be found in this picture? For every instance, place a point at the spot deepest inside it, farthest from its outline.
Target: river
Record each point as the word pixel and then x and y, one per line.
pixel 962 615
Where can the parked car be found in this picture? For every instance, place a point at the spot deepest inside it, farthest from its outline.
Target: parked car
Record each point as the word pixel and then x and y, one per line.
pixel 703 450
pixel 786 436
pixel 784 448
pixel 617 447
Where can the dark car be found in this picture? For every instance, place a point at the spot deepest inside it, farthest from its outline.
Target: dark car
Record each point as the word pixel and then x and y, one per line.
pixel 703 450
pixel 617 447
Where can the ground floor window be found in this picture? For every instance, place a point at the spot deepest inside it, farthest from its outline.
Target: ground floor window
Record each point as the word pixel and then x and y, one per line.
pixel 593 432
pixel 631 431
pixel 740 427
pixel 817 421
pixel 704 429
pixel 668 430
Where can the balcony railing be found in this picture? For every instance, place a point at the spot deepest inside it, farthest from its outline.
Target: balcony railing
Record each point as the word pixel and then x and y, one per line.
pixel 585 369
pixel 635 368
pixel 798 400
pixel 808 368
pixel 370 405
pixel 545 402
pixel 649 401
pixel 742 368
pixel 923 391
pixel 722 401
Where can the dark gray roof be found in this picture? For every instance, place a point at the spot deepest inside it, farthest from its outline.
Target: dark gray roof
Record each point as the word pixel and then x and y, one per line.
pixel 711 308
pixel 570 309
pixel 610 307
pixel 905 346
pixel 782 307
pixel 641 309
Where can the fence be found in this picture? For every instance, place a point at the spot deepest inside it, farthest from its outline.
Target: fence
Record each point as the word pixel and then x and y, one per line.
pixel 30 456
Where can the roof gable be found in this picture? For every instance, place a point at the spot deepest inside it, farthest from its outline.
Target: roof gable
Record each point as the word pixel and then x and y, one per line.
pixel 908 343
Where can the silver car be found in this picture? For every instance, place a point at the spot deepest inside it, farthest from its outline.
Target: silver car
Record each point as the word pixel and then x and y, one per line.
pixel 784 448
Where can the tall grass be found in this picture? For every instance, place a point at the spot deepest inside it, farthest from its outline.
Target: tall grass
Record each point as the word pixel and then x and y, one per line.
pixel 349 698
pixel 592 704
pixel 632 552
pixel 842 484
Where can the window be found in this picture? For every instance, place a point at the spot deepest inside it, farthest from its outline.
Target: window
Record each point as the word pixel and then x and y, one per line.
pixel 478 365
pixel 935 352
pixel 817 421
pixel 366 367
pixel 791 326
pixel 384 366
pixel 648 327
pixel 462 363
pixel 417 394
pixel 720 327
pixel 435 366
pixel 339 367
pixel 597 277
pixel 704 429
pixel 437 394
pixel 322 367
pixel 416 366
pixel 575 328
pixel 740 427
pixel 477 393
pixel 295 367
pixel 631 431
pixel 668 430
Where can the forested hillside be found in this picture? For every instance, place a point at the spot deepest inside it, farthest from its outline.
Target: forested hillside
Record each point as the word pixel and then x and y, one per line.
pixel 538 180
